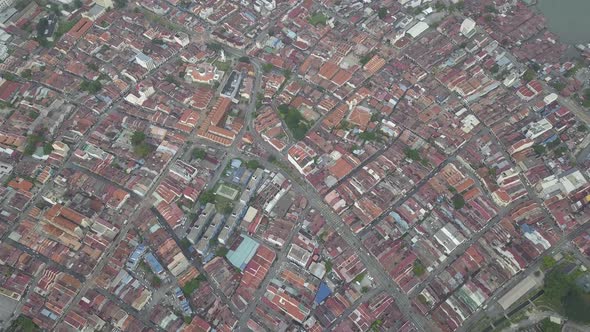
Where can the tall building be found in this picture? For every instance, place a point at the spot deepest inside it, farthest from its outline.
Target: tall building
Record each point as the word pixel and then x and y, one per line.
pixel 105 3
pixel 5 4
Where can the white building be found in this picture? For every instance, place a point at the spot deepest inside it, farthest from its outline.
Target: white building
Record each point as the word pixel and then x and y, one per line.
pixel 141 95
pixel 536 129
pixel 5 4
pixel 145 61
pixel 468 27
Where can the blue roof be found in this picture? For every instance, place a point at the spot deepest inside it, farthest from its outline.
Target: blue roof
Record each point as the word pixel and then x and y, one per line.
pixel 526 228
pixel 153 263
pixel 243 253
pixel 236 163
pixel 323 292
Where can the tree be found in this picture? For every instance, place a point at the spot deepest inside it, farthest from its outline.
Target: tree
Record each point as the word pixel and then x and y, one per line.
pixel 142 150
pixel 47 148
pixel 244 59
pixel 207 196
pixel 137 138
pixel 382 13
pixel 216 47
pixel 328 265
pixel 157 41
pixel 458 201
pixel 92 66
pixel 221 251
pixel 529 75
pixel 548 262
pixel 418 268
pixel 26 74
pixel 412 154
pixel 42 26
pixel 78 4
pixel 199 153
pixel 539 149
pixel 252 164
pixel 91 87
pixel 120 4
pixel 495 68
pixel 267 67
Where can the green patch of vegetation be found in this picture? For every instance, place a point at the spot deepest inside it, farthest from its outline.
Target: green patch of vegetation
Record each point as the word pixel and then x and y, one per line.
pixel 120 4
pixel 359 278
pixel 369 136
pixel 529 75
pixel 539 149
pixel 47 148
pixel 548 326
pixel 382 13
pixel 294 121
pixel 222 65
pixel 412 154
pixel 458 202
pixel 185 243
pixel 418 268
pixel 440 6
pixel 62 28
pixel 366 58
pixel 198 153
pixel 192 285
pixel 586 100
pixel 91 87
pixel 143 150
pixel 207 196
pixel 267 67
pixel 156 281
pixel 318 18
pixel 252 164
pixel 26 74
pixel 244 59
pixel 452 190
pixel 376 325
pixel 9 76
pixel 140 146
pixel 138 137
pixel 32 143
pixel 33 114
pixel 221 251
pixel 23 324
pixel 457 7
pixel 328 265
pixel 422 299
pixel 216 47
pixel 563 295
pixel 548 262
pixel 158 41
pixel 223 205
pixel 558 85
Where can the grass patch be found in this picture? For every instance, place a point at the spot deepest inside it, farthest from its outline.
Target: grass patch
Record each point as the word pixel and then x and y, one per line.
pixel 221 65
pixel 23 324
pixel 318 18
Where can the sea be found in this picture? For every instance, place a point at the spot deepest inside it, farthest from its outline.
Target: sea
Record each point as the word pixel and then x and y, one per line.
pixel 568 19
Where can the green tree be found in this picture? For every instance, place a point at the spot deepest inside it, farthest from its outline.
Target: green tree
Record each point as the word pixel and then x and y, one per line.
pixel 207 196
pixel 382 13
pixel 120 4
pixel 418 268
pixel 253 164
pixel 412 154
pixel 26 74
pixel 539 149
pixel 199 153
pixel 529 75
pixel 137 137
pixel 458 202
pixel 267 67
pixel 244 59
pixel 47 148
pixel 142 150
pixel 221 251
pixel 548 262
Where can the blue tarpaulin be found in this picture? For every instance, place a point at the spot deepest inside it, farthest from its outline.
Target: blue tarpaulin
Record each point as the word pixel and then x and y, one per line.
pixel 323 292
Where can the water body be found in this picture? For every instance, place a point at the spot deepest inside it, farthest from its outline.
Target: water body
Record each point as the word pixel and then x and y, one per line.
pixel 569 19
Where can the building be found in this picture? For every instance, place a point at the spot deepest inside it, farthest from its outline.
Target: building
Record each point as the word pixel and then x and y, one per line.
pixel 5 4
pixel 468 28
pixel 145 61
pixel 202 73
pixel 104 3
pixel 302 157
